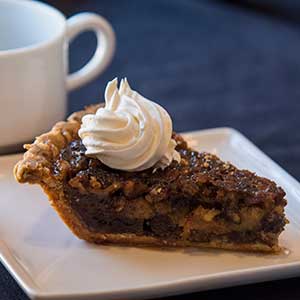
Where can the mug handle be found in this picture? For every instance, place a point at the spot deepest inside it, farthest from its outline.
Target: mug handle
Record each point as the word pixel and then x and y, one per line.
pixel 103 53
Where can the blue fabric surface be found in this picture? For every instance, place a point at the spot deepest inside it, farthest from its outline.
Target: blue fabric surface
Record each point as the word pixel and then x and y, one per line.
pixel 210 63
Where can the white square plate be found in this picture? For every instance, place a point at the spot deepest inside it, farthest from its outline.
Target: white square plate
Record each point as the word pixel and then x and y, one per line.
pixel 49 262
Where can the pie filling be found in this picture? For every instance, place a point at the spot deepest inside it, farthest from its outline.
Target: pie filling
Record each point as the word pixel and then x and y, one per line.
pixel 202 199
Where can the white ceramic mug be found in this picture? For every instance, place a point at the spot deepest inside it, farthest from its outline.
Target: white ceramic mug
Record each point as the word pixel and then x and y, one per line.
pixel 34 78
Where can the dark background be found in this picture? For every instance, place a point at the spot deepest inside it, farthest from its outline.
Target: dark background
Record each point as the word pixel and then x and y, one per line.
pixel 210 63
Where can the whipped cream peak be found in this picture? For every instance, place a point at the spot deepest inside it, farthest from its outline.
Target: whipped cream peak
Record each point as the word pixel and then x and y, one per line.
pixel 130 132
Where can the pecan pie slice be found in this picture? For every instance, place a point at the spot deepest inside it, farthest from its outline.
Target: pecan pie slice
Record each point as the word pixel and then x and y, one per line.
pixel 201 201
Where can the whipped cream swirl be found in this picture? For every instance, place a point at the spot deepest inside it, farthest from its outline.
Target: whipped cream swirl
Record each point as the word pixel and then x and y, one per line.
pixel 130 133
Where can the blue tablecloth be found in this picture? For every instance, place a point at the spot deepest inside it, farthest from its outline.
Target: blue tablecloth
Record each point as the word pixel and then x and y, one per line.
pixel 210 63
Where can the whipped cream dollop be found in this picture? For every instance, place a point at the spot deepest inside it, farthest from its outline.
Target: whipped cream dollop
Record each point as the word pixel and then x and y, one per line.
pixel 130 133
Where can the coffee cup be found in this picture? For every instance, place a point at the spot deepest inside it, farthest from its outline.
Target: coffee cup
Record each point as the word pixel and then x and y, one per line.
pixel 34 79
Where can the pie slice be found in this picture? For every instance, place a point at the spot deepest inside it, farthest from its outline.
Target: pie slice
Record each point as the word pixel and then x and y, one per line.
pixel 200 202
